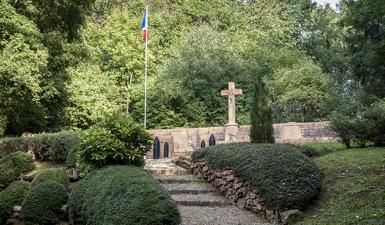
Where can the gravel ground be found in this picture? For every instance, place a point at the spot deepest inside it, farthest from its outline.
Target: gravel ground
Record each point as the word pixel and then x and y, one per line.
pixel 190 186
pixel 230 215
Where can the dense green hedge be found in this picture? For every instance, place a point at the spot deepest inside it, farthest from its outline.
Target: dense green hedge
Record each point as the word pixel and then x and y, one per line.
pixel 46 146
pixel 285 178
pixel 43 203
pixel 54 174
pixel 12 165
pixel 13 195
pixel 123 195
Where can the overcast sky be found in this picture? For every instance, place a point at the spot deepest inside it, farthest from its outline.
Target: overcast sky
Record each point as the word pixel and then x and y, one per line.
pixel 332 2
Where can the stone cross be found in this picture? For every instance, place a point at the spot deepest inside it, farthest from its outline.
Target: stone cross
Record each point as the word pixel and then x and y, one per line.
pixel 231 92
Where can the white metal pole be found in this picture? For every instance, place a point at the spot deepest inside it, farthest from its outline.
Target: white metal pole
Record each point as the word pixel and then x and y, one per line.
pixel 145 74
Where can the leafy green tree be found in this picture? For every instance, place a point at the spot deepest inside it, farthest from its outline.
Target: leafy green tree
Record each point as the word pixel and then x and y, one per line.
pixel 58 23
pixel 92 95
pixel 365 20
pixel 262 130
pixel 300 93
pixel 23 59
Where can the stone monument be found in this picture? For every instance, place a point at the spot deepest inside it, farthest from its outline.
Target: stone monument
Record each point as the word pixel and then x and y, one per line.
pixel 231 128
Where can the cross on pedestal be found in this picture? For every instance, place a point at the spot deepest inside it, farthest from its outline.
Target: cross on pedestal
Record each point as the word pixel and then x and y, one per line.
pixel 231 93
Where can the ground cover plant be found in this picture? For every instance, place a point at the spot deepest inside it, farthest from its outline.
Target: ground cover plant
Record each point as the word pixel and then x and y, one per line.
pixel 13 195
pixel 354 188
pixel 122 195
pixel 45 146
pixel 43 203
pixel 285 178
pixel 12 165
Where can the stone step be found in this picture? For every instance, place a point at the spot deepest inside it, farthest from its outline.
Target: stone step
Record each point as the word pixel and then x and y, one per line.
pixel 166 171
pixel 208 200
pixel 190 188
pixel 179 179
pixel 230 215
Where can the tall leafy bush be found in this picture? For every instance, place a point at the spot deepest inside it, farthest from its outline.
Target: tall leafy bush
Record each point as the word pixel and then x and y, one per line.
pixel 116 140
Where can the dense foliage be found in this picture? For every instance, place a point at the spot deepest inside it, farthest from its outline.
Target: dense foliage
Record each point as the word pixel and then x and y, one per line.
pixel 45 146
pixel 54 174
pixel 365 20
pixel 55 72
pixel 13 195
pixel 366 125
pixel 12 165
pixel 116 140
pixel 122 195
pixel 284 177
pixel 43 203
pixel 262 130
pixel 39 41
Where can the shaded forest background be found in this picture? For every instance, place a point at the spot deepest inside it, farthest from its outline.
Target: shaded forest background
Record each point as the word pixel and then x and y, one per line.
pixel 68 63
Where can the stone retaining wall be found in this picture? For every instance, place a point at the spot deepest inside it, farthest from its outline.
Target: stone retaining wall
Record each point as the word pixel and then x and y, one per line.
pixel 236 190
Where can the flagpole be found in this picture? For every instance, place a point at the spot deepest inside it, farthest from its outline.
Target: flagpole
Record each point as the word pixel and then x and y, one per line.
pixel 145 75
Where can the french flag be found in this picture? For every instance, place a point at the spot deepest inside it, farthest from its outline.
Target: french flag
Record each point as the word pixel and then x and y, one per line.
pixel 145 26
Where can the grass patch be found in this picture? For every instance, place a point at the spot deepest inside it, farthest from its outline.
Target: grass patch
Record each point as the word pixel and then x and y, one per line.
pixel 322 148
pixel 40 166
pixel 354 190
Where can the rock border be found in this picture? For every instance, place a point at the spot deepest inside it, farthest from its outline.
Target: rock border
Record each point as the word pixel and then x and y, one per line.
pixel 236 190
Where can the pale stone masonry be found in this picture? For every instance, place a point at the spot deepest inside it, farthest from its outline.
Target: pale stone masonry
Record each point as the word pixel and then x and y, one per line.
pixel 182 140
pixel 169 143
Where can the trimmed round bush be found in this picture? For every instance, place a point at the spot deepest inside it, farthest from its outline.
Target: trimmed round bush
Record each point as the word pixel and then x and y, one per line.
pixel 282 174
pixel 55 174
pixel 123 195
pixel 12 165
pixel 43 203
pixel 13 195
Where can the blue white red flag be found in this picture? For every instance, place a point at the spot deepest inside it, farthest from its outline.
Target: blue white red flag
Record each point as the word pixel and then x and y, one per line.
pixel 145 26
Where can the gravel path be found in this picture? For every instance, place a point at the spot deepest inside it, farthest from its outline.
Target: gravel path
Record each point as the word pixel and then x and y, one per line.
pixel 230 215
pixel 200 203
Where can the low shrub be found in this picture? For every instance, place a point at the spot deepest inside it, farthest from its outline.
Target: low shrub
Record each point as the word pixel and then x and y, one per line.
pixel 117 140
pixel 284 177
pixel 367 125
pixel 45 146
pixel 12 165
pixel 55 174
pixel 43 203
pixel 122 195
pixel 13 195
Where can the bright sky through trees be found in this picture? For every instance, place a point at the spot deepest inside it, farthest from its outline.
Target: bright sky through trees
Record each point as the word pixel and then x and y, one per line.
pixel 323 2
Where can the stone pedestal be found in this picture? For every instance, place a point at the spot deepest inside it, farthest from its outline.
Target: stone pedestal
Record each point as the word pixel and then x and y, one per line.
pixel 231 129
